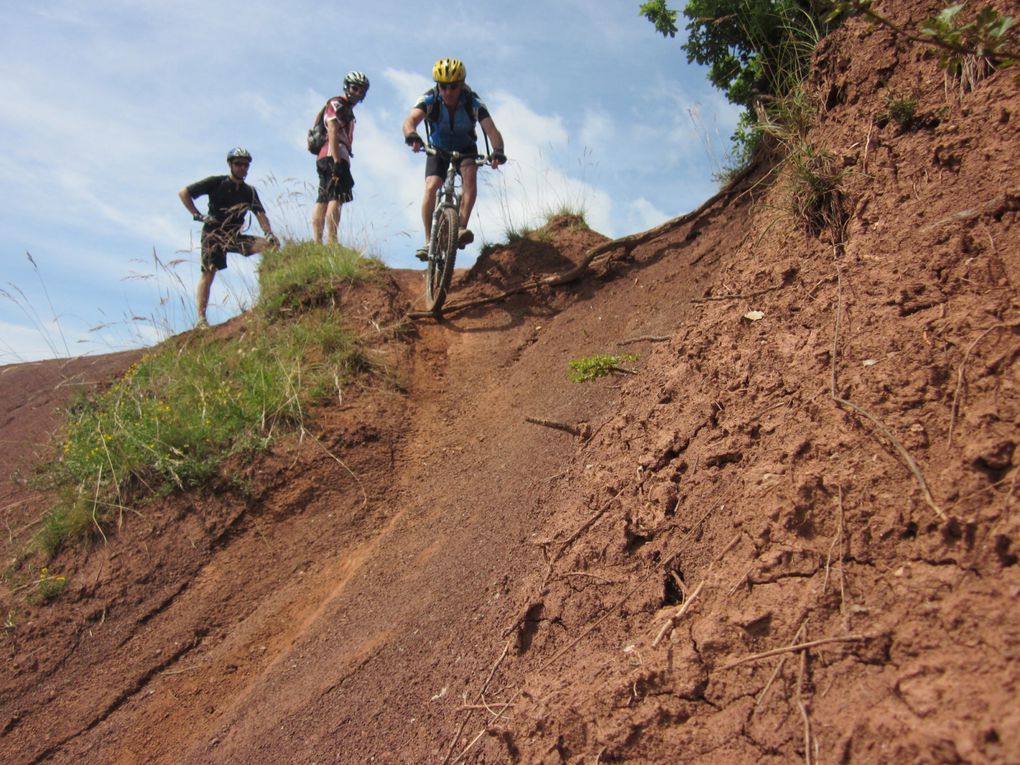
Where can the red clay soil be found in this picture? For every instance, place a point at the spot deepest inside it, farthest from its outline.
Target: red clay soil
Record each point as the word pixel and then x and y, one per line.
pixel 786 532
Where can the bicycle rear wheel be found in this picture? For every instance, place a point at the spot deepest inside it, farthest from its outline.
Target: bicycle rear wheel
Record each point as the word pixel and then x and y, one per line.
pixel 439 271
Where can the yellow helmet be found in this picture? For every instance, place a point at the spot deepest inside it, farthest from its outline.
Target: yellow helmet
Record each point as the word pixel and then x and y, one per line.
pixel 449 70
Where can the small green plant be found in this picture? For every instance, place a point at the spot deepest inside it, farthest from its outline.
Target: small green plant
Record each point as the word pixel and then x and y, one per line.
pixel 598 365
pixel 46 588
pixel 906 113
pixel 902 110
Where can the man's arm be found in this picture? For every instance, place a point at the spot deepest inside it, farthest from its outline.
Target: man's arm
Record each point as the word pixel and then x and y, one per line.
pixel 189 203
pixel 495 138
pixel 263 220
pixel 410 127
pixel 333 138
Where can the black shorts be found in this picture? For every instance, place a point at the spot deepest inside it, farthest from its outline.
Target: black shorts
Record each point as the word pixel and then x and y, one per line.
pixel 436 165
pixel 327 193
pixel 217 242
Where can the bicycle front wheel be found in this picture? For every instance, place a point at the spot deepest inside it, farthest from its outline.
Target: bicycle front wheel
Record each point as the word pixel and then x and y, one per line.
pixel 439 271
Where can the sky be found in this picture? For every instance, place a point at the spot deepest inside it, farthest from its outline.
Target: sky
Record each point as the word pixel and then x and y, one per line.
pixel 110 108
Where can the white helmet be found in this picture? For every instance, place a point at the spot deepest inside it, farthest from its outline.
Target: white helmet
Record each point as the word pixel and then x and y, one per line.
pixel 355 77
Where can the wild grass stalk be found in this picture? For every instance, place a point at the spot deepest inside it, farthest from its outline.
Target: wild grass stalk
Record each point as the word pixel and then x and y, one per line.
pixel 528 194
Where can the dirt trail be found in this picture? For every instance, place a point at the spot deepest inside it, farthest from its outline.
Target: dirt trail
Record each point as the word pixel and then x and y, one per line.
pixel 734 563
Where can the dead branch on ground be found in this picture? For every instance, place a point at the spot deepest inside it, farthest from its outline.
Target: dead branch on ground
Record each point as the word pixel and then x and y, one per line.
pixel 645 338
pixel 797 647
pixel 566 427
pixel 672 621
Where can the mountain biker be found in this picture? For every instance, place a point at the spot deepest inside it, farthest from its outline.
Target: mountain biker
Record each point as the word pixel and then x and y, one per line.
pixel 230 200
pixel 450 111
pixel 333 163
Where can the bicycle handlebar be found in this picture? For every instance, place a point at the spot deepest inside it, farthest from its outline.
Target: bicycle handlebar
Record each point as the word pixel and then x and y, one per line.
pixel 456 156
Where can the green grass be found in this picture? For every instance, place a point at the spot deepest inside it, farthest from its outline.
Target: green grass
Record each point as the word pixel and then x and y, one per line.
pixel 597 365
pixel 187 406
pixel 575 215
pixel 304 274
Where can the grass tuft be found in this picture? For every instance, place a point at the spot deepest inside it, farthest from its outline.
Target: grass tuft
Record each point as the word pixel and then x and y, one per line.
pixel 304 274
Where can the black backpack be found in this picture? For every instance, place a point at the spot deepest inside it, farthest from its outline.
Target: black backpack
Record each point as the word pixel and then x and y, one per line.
pixel 317 135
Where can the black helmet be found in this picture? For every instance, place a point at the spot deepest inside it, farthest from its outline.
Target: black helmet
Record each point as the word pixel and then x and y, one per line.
pixel 238 153
pixel 355 77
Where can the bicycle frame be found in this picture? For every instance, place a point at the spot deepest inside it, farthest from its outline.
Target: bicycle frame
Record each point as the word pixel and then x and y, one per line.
pixel 443 239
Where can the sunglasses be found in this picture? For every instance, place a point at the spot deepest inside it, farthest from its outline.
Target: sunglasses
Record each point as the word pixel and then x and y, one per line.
pixel 449 85
pixel 241 162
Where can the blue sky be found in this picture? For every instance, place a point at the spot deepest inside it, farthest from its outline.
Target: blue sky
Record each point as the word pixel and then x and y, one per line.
pixel 109 108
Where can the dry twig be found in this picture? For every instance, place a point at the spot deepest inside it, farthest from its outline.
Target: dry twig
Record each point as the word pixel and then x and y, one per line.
pixel 808 741
pixel 645 338
pixel 481 698
pixel 899 447
pixel 779 666
pixel 797 647
pixel 672 621
pixel 566 427
pixel 959 376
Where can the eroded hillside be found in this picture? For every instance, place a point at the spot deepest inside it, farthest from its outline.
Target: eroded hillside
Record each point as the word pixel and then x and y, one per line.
pixel 787 532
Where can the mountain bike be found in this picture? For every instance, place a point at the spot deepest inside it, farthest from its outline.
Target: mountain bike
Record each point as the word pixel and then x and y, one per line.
pixel 445 229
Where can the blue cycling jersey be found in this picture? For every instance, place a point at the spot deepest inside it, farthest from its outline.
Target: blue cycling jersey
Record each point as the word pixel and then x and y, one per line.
pixel 456 131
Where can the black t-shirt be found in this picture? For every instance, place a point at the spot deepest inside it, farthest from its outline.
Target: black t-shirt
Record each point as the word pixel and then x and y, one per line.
pixel 229 202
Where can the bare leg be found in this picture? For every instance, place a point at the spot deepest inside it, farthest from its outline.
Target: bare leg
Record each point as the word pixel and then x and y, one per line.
pixel 469 191
pixel 202 293
pixel 428 204
pixel 332 221
pixel 318 221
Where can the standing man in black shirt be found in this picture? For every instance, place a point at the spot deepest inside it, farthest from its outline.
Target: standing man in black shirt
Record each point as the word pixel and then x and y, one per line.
pixel 230 200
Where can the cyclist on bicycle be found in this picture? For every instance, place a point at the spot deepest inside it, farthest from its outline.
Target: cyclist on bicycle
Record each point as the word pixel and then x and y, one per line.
pixel 450 111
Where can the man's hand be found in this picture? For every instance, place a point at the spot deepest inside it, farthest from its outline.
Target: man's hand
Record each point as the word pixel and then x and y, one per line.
pixel 497 158
pixel 199 218
pixel 343 181
pixel 272 241
pixel 414 141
